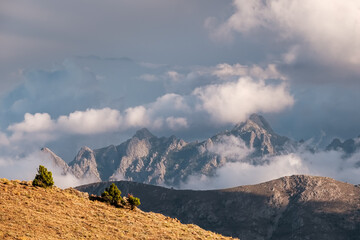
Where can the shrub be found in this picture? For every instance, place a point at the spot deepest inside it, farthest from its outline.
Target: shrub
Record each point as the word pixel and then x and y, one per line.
pixel 112 195
pixel 43 178
pixel 133 201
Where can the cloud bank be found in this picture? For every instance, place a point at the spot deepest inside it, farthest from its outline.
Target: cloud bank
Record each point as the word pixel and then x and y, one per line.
pixel 329 29
pixel 226 93
pixel 241 172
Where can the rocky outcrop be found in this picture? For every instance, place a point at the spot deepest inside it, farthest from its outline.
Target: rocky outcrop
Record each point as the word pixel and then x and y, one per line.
pixel 84 165
pixel 56 161
pixel 296 207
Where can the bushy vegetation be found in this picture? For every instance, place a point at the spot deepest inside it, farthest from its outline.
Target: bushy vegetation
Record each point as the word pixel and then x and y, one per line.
pixel 112 195
pixel 43 178
pixel 133 201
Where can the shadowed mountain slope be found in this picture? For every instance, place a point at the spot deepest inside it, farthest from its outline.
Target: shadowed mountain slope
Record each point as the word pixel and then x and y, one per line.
pixel 296 207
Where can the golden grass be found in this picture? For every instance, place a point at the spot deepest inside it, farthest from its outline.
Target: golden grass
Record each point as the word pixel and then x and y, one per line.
pixel 28 212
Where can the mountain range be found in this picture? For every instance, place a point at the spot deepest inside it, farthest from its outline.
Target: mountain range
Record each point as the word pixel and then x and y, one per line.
pixel 295 207
pixel 170 161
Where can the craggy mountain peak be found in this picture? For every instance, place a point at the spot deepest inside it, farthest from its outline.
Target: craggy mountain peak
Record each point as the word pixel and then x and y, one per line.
pixel 258 134
pixel 254 122
pixel 56 160
pixel 84 165
pixel 143 133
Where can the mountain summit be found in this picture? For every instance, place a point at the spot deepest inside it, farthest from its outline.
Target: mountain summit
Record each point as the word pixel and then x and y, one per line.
pixel 258 135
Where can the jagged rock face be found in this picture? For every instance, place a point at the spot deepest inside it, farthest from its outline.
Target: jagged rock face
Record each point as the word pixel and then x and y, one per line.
pixel 149 159
pixel 84 165
pixel 296 207
pixel 57 161
pixel 258 135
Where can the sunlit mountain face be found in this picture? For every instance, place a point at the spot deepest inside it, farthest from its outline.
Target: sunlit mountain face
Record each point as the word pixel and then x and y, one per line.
pixel 203 74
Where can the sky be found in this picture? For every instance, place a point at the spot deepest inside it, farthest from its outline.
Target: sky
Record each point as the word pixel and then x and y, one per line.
pixel 88 72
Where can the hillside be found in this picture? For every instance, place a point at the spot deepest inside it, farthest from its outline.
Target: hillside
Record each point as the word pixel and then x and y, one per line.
pixel 27 212
pixel 296 207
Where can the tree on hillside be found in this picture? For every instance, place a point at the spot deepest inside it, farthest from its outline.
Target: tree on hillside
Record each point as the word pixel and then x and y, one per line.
pixel 133 201
pixel 112 195
pixel 43 178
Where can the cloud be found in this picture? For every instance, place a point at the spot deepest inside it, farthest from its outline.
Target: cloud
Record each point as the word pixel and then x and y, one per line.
pixel 148 77
pixel 40 126
pixel 330 29
pixel 230 147
pixel 322 163
pixel 225 70
pixel 91 121
pixel 33 123
pixel 228 93
pixel 25 168
pixel 136 116
pixel 176 123
pixel 233 102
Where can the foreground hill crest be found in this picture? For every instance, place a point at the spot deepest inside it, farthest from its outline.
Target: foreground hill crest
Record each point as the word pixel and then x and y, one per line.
pixel 28 212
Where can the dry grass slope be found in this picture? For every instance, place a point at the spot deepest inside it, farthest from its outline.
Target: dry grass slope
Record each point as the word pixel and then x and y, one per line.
pixel 27 212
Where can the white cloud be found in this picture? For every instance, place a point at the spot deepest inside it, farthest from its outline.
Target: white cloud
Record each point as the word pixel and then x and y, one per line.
pixel 91 121
pixel 233 102
pixel 226 70
pixel 33 123
pixel 323 163
pixel 176 123
pixel 220 93
pixel 4 141
pixel 330 29
pixel 136 116
pixel 230 147
pixel 174 76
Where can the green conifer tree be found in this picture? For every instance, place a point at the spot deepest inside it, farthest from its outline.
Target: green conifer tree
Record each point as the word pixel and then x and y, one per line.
pixel 43 178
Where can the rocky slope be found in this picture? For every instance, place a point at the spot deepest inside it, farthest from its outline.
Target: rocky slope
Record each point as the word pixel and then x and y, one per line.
pixel 296 207
pixel 27 212
pixel 149 159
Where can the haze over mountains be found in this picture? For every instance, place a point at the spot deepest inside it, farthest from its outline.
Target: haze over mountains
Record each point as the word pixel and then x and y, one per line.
pixel 172 161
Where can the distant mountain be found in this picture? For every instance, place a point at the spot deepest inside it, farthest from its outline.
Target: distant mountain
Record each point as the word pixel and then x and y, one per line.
pixel 349 146
pixel 150 159
pixel 296 207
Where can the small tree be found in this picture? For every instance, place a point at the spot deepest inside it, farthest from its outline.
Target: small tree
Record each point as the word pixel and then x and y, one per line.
pixel 43 178
pixel 112 195
pixel 133 201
